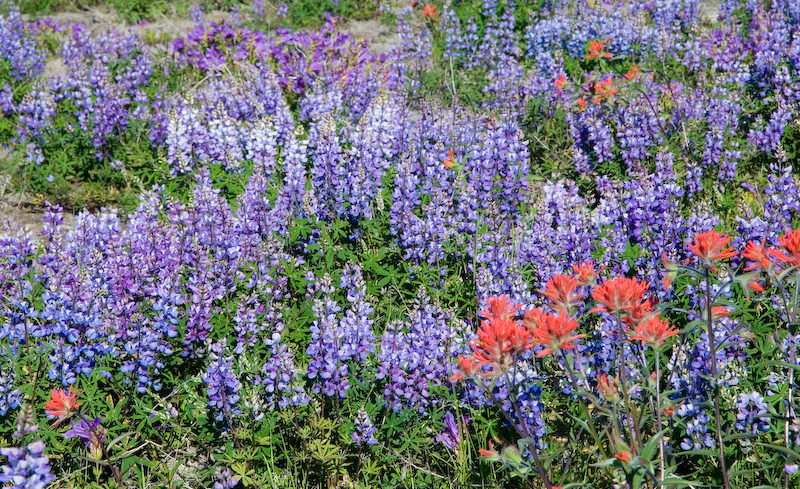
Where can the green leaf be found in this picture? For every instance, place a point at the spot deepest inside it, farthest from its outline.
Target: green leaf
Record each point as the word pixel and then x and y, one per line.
pixel 649 450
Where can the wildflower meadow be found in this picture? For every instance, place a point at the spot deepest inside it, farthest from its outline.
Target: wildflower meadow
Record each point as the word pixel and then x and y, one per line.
pixel 314 244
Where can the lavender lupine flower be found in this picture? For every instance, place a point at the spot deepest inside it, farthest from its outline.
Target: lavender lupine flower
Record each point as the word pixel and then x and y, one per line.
pixel 283 10
pixel 223 386
pixel 451 436
pixel 364 430
pixel 196 14
pixel 90 433
pixel 753 416
pixel 224 479
pixel 258 7
pixel 28 467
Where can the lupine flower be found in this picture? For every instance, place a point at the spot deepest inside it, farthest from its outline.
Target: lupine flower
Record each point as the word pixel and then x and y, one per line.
pixel 653 331
pixel 560 290
pixel 597 50
pixel 364 430
pixel 28 467
pixel 26 421
pixel 555 332
pixel 619 295
pixel 91 433
pixel 711 246
pixel 451 436
pixel 61 404
pixel 225 480
pixel 753 416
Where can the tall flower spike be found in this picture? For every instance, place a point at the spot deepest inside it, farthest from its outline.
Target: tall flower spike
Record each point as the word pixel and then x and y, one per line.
pixel 619 295
pixel 711 246
pixel 560 290
pixel 555 332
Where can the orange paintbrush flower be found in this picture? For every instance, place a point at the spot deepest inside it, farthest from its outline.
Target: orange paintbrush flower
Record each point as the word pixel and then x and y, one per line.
pixel 581 104
pixel 758 257
pixel 791 246
pixel 633 73
pixel 560 290
pixel 603 89
pixel 607 388
pixel 500 307
pixel 429 11
pixel 597 50
pixel 711 246
pixel 653 331
pixel 586 273
pixel 718 312
pixel 619 295
pixel 533 318
pixel 624 457
pixel 448 163
pixel 555 332
pixel 560 83
pixel 61 404
pixel 469 368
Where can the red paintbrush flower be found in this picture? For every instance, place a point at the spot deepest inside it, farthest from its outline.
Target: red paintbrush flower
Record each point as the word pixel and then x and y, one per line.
pixel 555 332
pixel 429 11
pixel 560 83
pixel 711 246
pixel 791 246
pixel 586 272
pixel 633 73
pixel 499 307
pixel 757 256
pixel 448 163
pixel 624 457
pixel 619 295
pixel 718 312
pixel 469 368
pixel 602 89
pixel 61 404
pixel 653 331
pixel 597 50
pixel 560 290
pixel 607 388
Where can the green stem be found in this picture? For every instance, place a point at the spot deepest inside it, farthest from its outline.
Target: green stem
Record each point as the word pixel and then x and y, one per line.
pixel 713 350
